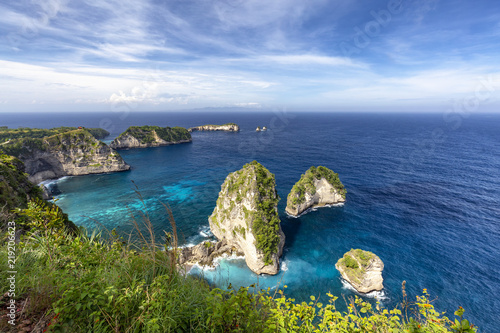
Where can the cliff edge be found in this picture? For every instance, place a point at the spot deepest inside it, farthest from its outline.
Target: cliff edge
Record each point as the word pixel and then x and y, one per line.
pixel 246 216
pixel 150 136
pixel 317 187
pixel 71 153
pixel 362 269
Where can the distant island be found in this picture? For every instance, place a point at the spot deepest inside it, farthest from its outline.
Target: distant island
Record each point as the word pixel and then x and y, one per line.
pixel 317 187
pixel 229 127
pixel 69 152
pixel 150 136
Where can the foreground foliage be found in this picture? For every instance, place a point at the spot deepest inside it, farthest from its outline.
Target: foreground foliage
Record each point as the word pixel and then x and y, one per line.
pixel 76 282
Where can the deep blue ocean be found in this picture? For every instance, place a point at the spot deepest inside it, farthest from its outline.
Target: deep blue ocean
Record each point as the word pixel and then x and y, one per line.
pixel 423 194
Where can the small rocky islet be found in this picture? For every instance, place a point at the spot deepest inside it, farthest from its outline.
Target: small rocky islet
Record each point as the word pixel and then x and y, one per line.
pixel 362 270
pixel 229 127
pixel 318 187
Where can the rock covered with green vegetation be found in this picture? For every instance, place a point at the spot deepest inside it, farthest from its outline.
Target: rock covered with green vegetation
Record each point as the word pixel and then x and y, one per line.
pixel 362 269
pixel 229 127
pixel 246 216
pixel 8 134
pixel 150 136
pixel 317 187
pixel 70 153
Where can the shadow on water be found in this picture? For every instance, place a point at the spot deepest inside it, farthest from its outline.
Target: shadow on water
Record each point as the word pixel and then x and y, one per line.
pixel 291 227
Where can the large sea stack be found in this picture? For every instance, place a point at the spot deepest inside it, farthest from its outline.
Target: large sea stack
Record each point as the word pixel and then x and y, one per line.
pixel 246 216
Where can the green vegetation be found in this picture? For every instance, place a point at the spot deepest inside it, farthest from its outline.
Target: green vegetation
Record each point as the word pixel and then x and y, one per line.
pixel 266 223
pixel 147 134
pixel 70 280
pixel 72 139
pixel 306 184
pixel 15 189
pixel 349 262
pixel 7 134
pixel 264 220
pixel 355 262
pixel 76 282
pixel 17 192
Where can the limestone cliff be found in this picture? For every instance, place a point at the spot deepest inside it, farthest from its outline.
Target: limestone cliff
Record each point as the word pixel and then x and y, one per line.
pixel 317 187
pixel 72 153
pixel 229 127
pixel 362 269
pixel 246 216
pixel 205 252
pixel 150 136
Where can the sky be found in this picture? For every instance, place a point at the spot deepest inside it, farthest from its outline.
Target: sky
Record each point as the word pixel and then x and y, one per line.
pixel 318 55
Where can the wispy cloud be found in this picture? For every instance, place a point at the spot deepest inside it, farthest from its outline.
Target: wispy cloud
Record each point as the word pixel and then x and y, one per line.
pixel 195 53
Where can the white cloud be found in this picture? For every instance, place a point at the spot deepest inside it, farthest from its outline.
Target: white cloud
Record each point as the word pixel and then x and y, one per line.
pixel 311 59
pixel 249 105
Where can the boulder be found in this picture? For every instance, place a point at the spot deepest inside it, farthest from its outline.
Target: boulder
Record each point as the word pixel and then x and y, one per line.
pixel 362 269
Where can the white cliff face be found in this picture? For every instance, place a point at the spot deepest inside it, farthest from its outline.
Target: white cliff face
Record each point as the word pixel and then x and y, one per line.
pixel 367 276
pixel 71 154
pixel 226 128
pixel 324 194
pixel 129 141
pixel 234 219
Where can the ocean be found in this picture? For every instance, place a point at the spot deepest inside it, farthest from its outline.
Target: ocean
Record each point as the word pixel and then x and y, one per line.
pixel 423 194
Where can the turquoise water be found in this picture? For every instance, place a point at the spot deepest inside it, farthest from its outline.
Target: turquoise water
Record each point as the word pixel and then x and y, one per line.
pixel 423 194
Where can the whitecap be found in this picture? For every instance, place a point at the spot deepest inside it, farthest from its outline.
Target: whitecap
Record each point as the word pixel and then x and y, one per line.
pixel 378 294
pixel 284 266
pixel 205 232
pixel 313 209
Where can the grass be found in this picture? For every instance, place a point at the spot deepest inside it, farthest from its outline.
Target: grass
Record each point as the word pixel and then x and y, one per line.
pixel 81 281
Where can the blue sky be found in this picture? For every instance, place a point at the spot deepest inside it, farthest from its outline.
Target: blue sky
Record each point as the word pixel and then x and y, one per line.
pixel 337 55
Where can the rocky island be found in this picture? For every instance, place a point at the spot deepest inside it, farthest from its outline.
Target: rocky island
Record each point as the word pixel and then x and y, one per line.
pixel 150 136
pixel 246 217
pixel 317 187
pixel 362 269
pixel 70 153
pixel 229 127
